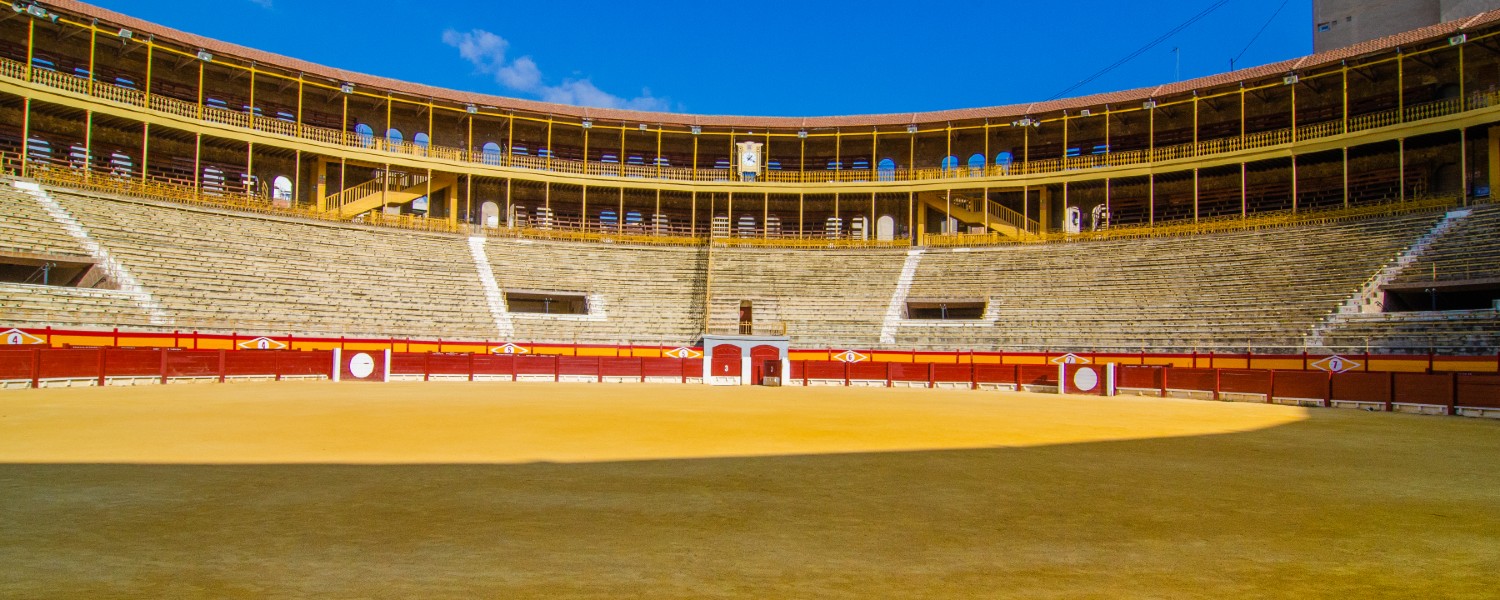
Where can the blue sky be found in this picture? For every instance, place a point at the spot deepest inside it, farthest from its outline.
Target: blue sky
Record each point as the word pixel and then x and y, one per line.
pixel 765 58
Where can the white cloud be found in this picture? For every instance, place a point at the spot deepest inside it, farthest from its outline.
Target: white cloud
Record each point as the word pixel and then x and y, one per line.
pixel 487 52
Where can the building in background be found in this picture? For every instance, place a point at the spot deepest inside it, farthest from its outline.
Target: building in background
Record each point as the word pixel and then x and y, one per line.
pixel 1339 23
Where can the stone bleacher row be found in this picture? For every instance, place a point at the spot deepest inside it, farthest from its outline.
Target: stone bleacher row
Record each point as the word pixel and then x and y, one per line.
pixel 1468 332
pixel 213 270
pixel 826 298
pixel 637 295
pixel 1251 289
pixel 1470 250
pixel 26 227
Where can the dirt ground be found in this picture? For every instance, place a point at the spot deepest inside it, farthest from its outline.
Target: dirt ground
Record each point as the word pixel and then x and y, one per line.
pixel 463 490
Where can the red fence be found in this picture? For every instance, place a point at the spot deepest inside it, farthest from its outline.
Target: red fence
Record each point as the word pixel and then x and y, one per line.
pixel 38 365
pixel 805 372
pixel 190 340
pixel 1448 393
pixel 428 365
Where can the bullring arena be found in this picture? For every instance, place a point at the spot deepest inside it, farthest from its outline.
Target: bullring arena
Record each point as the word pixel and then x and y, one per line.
pixel 271 329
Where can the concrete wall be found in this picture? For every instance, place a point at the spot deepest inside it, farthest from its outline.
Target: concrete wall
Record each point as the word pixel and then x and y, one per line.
pixel 1460 9
pixel 1352 21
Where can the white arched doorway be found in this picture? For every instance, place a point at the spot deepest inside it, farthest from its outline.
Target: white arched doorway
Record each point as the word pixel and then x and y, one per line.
pixel 281 191
pixel 491 214
pixel 885 228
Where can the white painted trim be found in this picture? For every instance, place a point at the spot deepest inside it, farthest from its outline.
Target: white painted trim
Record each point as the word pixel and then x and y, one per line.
pixel 492 295
pixel 115 269
pixel 338 364
pixel 897 306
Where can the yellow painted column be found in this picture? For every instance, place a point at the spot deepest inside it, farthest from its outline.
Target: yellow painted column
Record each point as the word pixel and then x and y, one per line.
pixel 26 135
pixel 1494 160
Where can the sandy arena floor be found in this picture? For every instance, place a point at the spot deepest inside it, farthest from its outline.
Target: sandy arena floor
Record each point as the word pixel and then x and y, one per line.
pixel 457 490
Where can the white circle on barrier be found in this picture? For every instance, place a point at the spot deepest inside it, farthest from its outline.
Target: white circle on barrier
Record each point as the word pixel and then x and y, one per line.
pixel 1085 379
pixel 262 344
pixel 361 366
pixel 13 339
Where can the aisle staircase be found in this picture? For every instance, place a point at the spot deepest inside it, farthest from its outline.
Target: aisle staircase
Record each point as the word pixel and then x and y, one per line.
pixel 393 188
pixel 965 209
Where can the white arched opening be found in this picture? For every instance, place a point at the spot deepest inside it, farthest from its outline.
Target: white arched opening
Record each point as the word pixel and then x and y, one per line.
pixel 491 214
pixel 281 190
pixel 885 228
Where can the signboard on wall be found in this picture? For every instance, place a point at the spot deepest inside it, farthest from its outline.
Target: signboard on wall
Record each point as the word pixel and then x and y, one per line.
pixel 355 365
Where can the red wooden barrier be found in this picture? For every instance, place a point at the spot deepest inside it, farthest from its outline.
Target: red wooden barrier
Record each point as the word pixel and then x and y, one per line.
pixel 868 371
pixel 1479 390
pixel 1195 380
pixel 1301 384
pixel 1139 377
pixel 1425 389
pixel 1245 381
pixel 943 373
pixel 1043 375
pixel 1362 387
pixel 823 369
pixel 908 372
pixel 994 374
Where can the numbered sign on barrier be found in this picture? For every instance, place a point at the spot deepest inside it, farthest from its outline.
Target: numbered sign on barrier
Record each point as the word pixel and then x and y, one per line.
pixel 16 337
pixel 356 365
pixel 1096 380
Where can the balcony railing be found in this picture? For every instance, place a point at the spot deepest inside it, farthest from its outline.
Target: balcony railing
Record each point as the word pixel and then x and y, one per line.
pixel 12 69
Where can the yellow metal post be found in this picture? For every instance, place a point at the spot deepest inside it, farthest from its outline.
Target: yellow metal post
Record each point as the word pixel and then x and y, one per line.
pixel 197 162
pixel 1065 144
pixel 30 46
pixel 1400 86
pixel 145 149
pixel 251 117
pixel 1195 194
pixel 26 136
pixel 1294 183
pixel 300 82
pixel 1401 166
pixel 88 144
pixel 93 44
pixel 200 89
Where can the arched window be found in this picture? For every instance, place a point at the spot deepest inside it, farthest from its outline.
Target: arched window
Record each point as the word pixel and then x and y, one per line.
pixel 1003 160
pixel 950 163
pixel 490 154
pixel 421 140
pixel 281 188
pixel 393 136
pixel 976 165
pixel 886 170
pixel 365 134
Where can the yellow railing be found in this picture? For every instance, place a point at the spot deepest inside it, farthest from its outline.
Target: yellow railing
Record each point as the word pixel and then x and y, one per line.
pixel 646 234
pixel 1203 226
pixel 388 181
pixel 108 91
